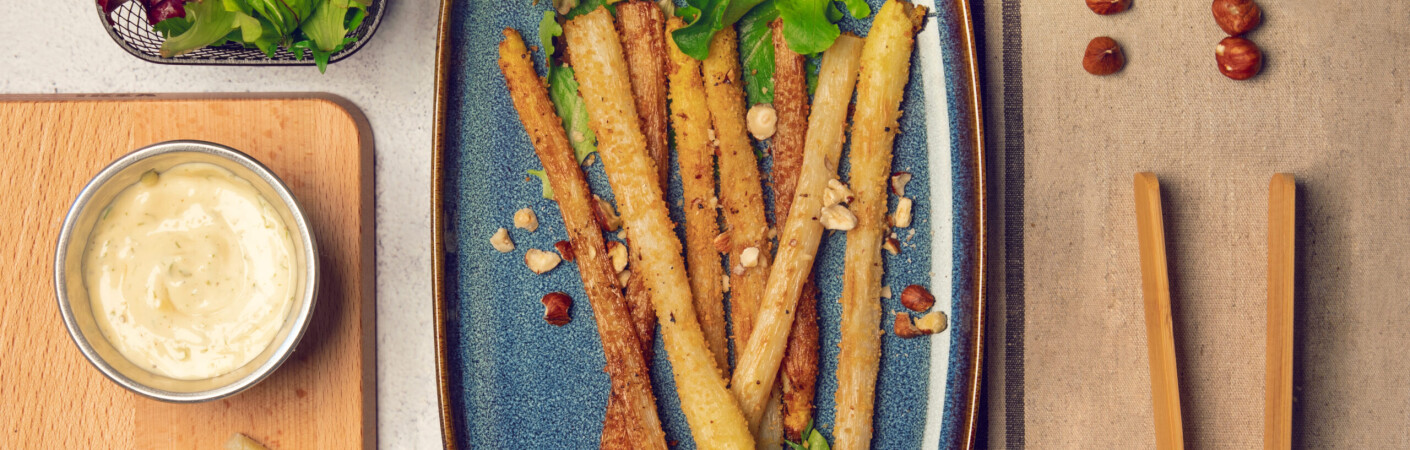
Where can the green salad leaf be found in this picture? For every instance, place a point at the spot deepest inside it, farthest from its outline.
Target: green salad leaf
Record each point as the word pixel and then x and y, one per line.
pixel 563 92
pixel 172 27
pixel 806 26
pixel 327 29
pixel 756 51
pixel 705 18
pixel 282 17
pixel 858 8
pixel 833 13
pixel 549 29
pixel 543 178
pixel 810 26
pixel 317 27
pixel 587 6
pixel 210 24
pixel 812 439
pixel 816 441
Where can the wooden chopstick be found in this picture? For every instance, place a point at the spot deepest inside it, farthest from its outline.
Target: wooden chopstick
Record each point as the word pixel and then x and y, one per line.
pixel 1277 410
pixel 1160 336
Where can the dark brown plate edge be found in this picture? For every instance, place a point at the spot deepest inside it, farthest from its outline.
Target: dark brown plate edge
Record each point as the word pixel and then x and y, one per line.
pixel 972 96
pixel 438 288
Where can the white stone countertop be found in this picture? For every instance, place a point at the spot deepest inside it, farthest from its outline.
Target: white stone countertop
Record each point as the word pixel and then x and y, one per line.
pixel 60 47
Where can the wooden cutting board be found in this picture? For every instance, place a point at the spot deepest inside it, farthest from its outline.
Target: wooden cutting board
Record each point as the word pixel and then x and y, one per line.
pixel 324 396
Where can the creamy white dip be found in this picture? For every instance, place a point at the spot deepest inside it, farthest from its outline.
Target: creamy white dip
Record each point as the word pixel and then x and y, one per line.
pixel 190 272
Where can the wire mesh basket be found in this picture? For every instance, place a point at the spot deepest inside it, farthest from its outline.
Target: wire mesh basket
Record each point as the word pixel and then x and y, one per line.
pixel 129 28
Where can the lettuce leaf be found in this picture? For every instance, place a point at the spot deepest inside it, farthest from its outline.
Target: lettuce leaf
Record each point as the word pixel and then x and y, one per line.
pixel 327 29
pixel 756 52
pixel 172 27
pixel 705 18
pixel 281 17
pixel 563 92
pixel 858 8
pixel 210 23
pixel 811 440
pixel 806 25
pixel 543 178
pixel 809 26
pixel 549 29
pixel 587 6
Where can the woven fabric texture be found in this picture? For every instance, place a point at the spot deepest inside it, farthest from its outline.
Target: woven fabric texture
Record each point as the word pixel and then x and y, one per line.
pixel 1066 356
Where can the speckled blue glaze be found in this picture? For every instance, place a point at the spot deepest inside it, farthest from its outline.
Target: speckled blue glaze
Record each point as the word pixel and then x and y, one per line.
pixel 517 382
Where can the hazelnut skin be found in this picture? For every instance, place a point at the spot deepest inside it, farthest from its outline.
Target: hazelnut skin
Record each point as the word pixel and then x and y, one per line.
pixel 1103 57
pixel 1237 17
pixel 565 248
pixel 1238 58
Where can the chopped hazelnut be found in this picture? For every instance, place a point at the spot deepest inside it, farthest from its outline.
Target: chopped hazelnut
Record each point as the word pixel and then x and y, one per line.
pixel 749 257
pixel 722 242
pixel 618 253
pixel 526 219
pixel 891 245
pixel 933 322
pixel 724 283
pixel 838 217
pixel 902 218
pixel 623 277
pixel 905 328
pixel 541 261
pixel 836 192
pixel 501 241
pixel 898 183
pixel 607 217
pixel 565 248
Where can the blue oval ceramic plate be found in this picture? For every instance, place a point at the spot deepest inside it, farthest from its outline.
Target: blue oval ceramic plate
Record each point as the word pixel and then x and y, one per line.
pixel 510 380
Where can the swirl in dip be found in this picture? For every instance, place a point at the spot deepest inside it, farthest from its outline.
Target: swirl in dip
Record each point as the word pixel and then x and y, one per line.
pixel 190 272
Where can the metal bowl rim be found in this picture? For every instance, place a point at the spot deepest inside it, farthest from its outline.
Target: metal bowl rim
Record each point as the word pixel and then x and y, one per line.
pixel 301 318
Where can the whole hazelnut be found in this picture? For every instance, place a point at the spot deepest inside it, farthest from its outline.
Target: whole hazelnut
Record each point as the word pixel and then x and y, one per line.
pixel 555 308
pixel 1237 17
pixel 1238 58
pixel 1105 7
pixel 916 298
pixel 1103 57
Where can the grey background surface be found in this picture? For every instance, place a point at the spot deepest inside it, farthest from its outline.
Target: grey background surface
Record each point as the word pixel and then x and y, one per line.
pixel 60 47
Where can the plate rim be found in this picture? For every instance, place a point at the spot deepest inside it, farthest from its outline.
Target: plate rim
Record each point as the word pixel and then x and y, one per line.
pixel 969 72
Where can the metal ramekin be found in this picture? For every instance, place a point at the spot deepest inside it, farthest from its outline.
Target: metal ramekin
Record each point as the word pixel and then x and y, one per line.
pixel 76 308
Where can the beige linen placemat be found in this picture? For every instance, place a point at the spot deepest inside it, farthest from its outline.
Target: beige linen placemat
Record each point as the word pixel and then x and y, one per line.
pixel 1066 356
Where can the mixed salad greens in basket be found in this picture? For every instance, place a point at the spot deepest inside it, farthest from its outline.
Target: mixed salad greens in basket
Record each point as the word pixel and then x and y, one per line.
pixel 319 27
